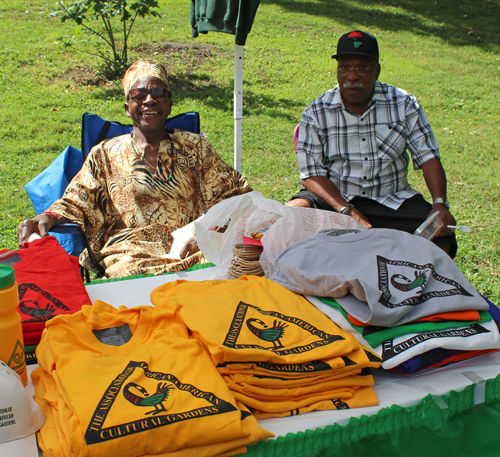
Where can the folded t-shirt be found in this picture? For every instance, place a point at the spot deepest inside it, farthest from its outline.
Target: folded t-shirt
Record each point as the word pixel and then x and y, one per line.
pixel 396 277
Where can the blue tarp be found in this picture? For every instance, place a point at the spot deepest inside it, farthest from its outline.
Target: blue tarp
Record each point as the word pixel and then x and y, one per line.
pixel 49 185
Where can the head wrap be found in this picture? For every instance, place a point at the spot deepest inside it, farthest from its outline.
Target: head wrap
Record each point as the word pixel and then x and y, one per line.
pixel 143 69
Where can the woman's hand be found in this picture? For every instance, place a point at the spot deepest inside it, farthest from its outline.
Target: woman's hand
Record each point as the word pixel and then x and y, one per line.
pixel 40 224
pixel 191 246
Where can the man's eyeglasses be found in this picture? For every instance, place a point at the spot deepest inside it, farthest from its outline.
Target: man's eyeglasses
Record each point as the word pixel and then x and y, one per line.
pixel 140 94
pixel 362 70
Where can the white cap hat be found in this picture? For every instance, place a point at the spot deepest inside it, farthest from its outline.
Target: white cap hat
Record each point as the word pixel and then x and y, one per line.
pixel 20 416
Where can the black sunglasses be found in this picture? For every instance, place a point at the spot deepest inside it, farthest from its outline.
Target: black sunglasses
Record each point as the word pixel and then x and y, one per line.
pixel 158 93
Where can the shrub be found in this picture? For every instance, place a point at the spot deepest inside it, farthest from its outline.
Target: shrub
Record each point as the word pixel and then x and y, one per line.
pixel 111 21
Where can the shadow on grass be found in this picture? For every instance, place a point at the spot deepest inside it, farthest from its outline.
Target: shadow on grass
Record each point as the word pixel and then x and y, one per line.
pixel 221 98
pixel 109 93
pixel 457 22
pixel 199 87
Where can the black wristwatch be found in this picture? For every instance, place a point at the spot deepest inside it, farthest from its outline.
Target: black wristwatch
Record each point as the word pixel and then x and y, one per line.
pixel 346 209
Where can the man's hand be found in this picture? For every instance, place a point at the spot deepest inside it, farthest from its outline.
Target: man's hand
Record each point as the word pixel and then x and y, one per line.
pixel 40 224
pixel 446 217
pixel 326 190
pixel 435 179
pixel 359 217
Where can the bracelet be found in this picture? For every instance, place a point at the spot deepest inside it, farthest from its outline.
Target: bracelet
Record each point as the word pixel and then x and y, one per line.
pixel 346 209
pixel 50 213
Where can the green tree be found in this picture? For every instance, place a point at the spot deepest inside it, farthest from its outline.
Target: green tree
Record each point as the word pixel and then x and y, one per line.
pixel 111 21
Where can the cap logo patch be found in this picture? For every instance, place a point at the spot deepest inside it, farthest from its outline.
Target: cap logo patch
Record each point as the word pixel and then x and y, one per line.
pixel 357 37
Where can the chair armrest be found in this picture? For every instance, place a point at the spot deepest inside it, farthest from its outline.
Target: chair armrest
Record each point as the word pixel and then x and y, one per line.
pixel 73 227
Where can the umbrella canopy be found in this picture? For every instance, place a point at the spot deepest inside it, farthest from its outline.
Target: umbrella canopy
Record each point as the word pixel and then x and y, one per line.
pixel 236 18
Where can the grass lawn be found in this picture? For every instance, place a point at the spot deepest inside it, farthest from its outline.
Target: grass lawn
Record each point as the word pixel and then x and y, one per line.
pixel 447 53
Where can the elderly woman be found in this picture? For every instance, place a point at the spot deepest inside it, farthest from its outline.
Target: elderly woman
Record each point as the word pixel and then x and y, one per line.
pixel 134 190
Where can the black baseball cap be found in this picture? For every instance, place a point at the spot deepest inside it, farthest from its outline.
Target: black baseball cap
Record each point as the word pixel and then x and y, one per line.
pixel 357 43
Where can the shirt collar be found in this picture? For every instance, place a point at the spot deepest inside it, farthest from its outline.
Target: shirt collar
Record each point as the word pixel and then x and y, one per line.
pixel 380 92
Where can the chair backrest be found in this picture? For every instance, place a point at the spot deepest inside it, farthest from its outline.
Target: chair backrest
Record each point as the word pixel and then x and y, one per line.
pixel 45 188
pixel 96 129
pixel 296 136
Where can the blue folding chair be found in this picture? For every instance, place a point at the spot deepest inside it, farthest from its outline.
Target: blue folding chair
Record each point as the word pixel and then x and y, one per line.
pixel 50 184
pixel 96 129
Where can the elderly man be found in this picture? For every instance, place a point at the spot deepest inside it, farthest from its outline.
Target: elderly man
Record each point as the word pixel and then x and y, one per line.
pixel 353 143
pixel 134 190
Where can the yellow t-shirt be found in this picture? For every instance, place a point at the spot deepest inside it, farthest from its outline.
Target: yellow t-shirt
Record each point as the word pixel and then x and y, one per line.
pixel 273 382
pixel 257 329
pixel 253 319
pixel 365 396
pixel 293 392
pixel 144 395
pixel 336 367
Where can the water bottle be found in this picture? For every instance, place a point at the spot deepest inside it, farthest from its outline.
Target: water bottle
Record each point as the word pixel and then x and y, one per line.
pixel 11 332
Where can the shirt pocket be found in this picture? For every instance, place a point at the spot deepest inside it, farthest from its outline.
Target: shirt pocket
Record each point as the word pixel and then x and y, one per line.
pixel 391 140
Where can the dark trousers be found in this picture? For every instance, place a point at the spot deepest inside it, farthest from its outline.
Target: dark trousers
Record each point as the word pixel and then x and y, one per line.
pixel 407 217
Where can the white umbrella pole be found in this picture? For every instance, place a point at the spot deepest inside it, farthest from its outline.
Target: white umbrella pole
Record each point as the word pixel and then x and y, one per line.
pixel 238 103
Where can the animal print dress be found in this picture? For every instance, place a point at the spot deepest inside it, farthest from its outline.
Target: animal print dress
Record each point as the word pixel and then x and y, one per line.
pixel 129 213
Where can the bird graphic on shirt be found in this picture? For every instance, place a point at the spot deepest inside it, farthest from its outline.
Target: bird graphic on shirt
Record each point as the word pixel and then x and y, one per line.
pixel 34 311
pixel 339 404
pixel 156 399
pixel 272 335
pixel 407 285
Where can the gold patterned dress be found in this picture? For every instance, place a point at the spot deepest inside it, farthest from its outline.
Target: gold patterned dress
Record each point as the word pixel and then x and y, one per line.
pixel 129 214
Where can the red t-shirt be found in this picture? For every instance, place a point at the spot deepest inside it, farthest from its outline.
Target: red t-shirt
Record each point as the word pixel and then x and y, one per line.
pixel 49 284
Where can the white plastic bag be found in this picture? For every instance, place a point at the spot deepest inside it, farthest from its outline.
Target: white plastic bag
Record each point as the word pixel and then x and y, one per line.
pixel 251 213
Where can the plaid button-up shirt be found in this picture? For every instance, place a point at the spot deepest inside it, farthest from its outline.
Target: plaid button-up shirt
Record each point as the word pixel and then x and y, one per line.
pixel 366 155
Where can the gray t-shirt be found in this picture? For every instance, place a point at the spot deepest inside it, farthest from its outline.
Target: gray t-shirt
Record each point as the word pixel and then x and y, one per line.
pixel 399 277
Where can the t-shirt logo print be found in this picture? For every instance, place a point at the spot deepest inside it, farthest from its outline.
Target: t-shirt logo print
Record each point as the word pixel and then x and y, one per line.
pixel 405 283
pixel 401 282
pixel 125 406
pixel 253 327
pixel 143 398
pixel 37 303
pixel 273 334
pixel 357 37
